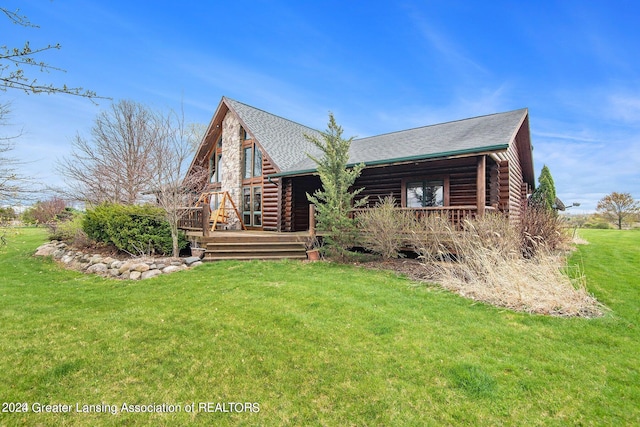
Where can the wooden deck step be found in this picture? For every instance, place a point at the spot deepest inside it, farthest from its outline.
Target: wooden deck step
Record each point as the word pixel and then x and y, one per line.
pixel 237 257
pixel 248 245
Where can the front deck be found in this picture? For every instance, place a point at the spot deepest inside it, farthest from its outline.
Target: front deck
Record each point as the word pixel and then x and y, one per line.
pixel 256 244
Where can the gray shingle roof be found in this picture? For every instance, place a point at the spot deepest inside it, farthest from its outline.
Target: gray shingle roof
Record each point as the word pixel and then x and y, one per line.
pixel 486 133
pixel 285 143
pixel 282 139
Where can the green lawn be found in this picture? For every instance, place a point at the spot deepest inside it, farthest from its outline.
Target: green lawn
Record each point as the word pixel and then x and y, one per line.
pixel 313 344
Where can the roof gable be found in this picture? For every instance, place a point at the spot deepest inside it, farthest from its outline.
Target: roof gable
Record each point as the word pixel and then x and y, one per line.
pixel 282 139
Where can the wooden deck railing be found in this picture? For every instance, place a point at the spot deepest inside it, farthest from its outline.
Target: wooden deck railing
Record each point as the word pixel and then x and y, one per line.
pixel 193 219
pixel 455 214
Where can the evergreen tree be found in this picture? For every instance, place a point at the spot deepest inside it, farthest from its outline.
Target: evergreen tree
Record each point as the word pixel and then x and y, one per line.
pixel 334 200
pixel 545 194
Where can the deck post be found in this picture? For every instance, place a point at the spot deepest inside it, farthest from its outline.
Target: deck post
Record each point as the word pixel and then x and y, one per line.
pixel 312 220
pixel 481 180
pixel 206 216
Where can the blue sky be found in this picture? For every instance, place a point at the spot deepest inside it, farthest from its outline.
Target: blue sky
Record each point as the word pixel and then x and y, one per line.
pixel 379 66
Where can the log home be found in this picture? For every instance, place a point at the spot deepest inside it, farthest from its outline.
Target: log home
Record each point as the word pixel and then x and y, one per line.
pixel 462 168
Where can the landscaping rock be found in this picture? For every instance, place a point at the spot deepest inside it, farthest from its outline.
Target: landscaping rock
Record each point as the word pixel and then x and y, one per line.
pixel 95 259
pixel 125 267
pixel 112 267
pixel 97 268
pixel 192 260
pixel 45 250
pixel 151 273
pixel 141 267
pixel 172 269
pixel 58 253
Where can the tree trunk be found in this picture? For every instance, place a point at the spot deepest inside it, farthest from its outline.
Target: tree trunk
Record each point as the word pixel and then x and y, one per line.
pixel 174 240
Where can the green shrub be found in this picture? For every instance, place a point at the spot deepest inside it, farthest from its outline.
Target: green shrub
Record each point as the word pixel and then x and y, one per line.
pixel 597 225
pixel 69 229
pixel 136 229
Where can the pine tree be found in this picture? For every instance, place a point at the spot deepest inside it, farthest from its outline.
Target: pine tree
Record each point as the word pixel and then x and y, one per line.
pixel 334 200
pixel 545 194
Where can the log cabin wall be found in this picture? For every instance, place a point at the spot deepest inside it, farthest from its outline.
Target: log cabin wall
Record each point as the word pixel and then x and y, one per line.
pixel 503 186
pixel 514 182
pixel 294 203
pixel 493 183
pixel 302 186
pixel 286 204
pixel 379 182
pixel 270 196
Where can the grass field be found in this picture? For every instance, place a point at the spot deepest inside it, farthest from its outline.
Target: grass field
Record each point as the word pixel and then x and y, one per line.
pixel 311 344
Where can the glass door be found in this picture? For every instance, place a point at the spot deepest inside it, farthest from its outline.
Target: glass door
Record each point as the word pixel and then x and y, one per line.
pixel 252 206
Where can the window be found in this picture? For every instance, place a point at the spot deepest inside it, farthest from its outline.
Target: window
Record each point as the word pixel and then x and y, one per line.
pixel 247 162
pixel 257 161
pixel 252 162
pixel 426 193
pixel 215 168
pixel 244 134
pixel 212 168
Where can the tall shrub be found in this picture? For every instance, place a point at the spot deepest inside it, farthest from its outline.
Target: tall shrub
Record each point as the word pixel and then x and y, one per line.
pixel 385 227
pixel 334 201
pixel 541 228
pixel 139 230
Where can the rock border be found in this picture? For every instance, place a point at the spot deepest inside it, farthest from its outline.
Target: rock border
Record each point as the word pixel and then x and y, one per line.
pixel 106 266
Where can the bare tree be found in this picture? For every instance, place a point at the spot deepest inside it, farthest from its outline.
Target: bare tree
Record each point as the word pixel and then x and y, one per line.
pixel 135 152
pixel 48 210
pixel 14 61
pixel 617 207
pixel 14 185
pixel 174 189
pixel 116 163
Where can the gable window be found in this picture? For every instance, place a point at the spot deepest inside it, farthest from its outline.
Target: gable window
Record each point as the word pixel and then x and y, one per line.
pixel 251 184
pixel 215 163
pixel 247 162
pixel 215 168
pixel 425 193
pixel 252 162
pixel 257 161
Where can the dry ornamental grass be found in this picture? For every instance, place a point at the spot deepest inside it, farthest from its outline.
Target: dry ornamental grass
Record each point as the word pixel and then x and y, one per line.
pixel 484 261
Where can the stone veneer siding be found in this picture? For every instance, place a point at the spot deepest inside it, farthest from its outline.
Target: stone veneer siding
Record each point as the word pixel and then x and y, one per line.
pixel 231 179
